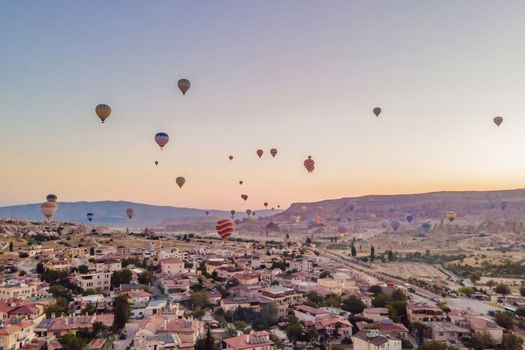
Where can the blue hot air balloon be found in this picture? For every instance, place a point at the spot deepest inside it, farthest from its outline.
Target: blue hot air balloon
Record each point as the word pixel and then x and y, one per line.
pixel 425 226
pixel 395 224
pixel 90 216
pixel 409 218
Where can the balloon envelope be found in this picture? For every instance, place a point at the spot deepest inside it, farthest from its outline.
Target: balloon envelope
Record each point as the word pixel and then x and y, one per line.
pixel 49 209
pixel 51 198
pixel 184 85
pixel 377 111
pixel 273 152
pixel 451 216
pixel 180 181
pixel 498 121
pixel 230 157
pixel 161 138
pixel 225 228
pixel 395 224
pixel 90 216
pixel 103 112
pixel 260 152
pixel 309 164
pixel 409 217
pixel 130 213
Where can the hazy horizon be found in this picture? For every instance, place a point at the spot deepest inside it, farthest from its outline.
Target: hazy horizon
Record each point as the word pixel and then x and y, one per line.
pixel 302 77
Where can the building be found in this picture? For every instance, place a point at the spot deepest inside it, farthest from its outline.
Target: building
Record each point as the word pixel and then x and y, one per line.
pixel 376 314
pixel 94 280
pixel 253 341
pixel 62 325
pixel 172 266
pixel 481 324
pixel 18 289
pixel 16 334
pixel 373 340
pixel 108 265
pixel 424 313
pixel 448 332
pixel 283 298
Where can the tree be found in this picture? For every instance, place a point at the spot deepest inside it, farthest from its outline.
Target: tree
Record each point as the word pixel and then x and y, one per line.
pixel 520 311
pixel 71 342
pixel 502 289
pixel 92 251
pixel 372 253
pixel 435 345
pixel 353 250
pixel 511 341
pixel 11 247
pixel 294 329
pixel 121 277
pixel 468 291
pixel 381 300
pixel 390 255
pixel 99 330
pixel 146 277
pixel 522 291
pixel 83 269
pixel 40 268
pixel 324 274
pixel 398 294
pixel 332 300
pixel 206 343
pixel 122 311
pixel 505 320
pixel 353 304
pixel 199 300
pixel 375 289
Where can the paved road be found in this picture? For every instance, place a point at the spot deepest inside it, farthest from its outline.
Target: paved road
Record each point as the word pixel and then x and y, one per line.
pixel 122 344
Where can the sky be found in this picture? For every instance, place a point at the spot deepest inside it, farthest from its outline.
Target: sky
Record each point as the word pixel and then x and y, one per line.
pixel 300 76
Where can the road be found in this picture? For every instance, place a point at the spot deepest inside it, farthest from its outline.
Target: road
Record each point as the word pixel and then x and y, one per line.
pixel 131 328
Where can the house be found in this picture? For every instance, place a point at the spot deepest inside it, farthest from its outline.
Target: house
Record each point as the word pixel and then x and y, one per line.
pixel 333 326
pixel 108 265
pixel 62 325
pixel 16 288
pixel 21 309
pixel 448 332
pixel 79 304
pixel 16 334
pixel 373 340
pixel 253 341
pixel 308 313
pixel 376 314
pixel 172 266
pixel 187 331
pixel 283 298
pixel 424 313
pixel 482 324
pixel 247 277
pixel 387 328
pixel 94 280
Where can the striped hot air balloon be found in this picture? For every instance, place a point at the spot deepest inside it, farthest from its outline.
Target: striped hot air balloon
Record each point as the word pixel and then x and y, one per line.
pixel 161 138
pixel 273 152
pixel 309 164
pixel 225 228
pixel 51 198
pixel 103 111
pixel 184 85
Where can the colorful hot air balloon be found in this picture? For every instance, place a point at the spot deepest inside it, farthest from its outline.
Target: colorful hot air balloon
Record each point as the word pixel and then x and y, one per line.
pixel 425 226
pixel 230 157
pixel 409 217
pixel 207 212
pixel 161 138
pixel 232 212
pixel 342 229
pixel 273 152
pixel 184 85
pixel 451 216
pixel 49 209
pixel 260 152
pixel 265 204
pixel 90 216
pixel 156 162
pixel 377 111
pixel 318 219
pixel 130 213
pixel 51 198
pixel 103 111
pixel 395 224
pixel 309 164
pixel 498 120
pixel 503 205
pixel 180 181
pixel 244 196
pixel 297 216
pixel 225 228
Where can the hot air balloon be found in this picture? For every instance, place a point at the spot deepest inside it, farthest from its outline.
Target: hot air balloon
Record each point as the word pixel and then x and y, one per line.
pixel 395 224
pixel 207 212
pixel 297 216
pixel 498 120
pixel 372 216
pixel 237 222
pixel 103 112
pixel 385 224
pixel 90 216
pixel 425 226
pixel 232 212
pixel 409 217
pixel 49 209
pixel 230 157
pixel 377 111
pixel 244 196
pixel 130 213
pixel 265 204
pixel 156 162
pixel 309 164
pixel 240 182
pixel 351 206
pixel 248 212
pixel 184 85
pixel 503 205
pixel 225 228
pixel 51 198
pixel 278 206
pixel 304 208
pixel 318 219
pixel 451 216
pixel 342 229
pixel 161 138
pixel 260 152
pixel 273 152
pixel 180 181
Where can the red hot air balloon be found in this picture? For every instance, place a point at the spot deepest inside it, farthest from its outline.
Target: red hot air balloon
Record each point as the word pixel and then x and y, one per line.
pixel 260 152
pixel 244 196
pixel 309 164
pixel 225 228
pixel 273 152
pixel 265 204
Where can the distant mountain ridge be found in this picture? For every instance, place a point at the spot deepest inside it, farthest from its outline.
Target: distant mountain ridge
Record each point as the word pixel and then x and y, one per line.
pixel 112 213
